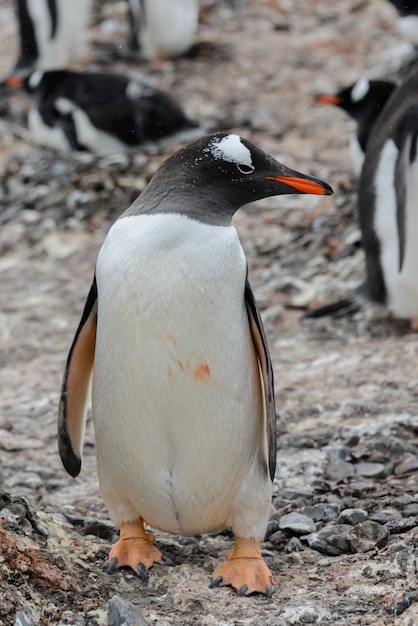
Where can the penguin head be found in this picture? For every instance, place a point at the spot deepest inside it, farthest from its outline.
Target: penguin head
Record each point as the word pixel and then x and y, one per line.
pixel 361 96
pixel 221 172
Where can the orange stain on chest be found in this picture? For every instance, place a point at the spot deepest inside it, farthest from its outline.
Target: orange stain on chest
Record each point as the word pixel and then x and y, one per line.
pixel 202 373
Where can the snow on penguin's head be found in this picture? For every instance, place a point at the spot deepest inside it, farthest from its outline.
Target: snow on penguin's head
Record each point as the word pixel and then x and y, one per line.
pixel 230 148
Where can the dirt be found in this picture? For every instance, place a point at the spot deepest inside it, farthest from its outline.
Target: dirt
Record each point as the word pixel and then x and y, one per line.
pixel 346 388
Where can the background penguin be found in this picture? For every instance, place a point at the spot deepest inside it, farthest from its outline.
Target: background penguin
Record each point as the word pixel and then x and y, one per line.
pixel 183 393
pixel 363 101
pixel 103 113
pixel 408 19
pixel 388 209
pixel 163 28
pixel 52 33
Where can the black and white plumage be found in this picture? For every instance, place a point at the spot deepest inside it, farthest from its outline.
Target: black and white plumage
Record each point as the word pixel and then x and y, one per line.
pixel 364 102
pixel 163 28
pixel 388 209
pixel 103 113
pixel 52 33
pixel 182 394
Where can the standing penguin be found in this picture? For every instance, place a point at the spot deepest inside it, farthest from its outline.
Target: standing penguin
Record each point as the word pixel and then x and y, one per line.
pixel 363 101
pixel 103 113
pixel 163 28
pixel 388 210
pixel 52 33
pixel 388 204
pixel 183 395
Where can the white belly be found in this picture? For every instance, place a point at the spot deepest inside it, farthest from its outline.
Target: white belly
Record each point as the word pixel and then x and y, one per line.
pixel 168 28
pixel 402 286
pixel 177 398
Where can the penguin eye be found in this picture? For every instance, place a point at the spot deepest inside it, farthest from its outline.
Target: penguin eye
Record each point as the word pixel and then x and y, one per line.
pixel 245 169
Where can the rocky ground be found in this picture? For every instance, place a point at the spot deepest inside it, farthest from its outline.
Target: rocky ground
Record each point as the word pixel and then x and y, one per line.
pixel 344 526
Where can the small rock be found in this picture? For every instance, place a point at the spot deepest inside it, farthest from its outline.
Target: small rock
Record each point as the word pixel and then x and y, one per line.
pixel 370 470
pixel 316 543
pixel 297 523
pixel 294 545
pixel 408 464
pixel 27 616
pixel 123 613
pixel 353 516
pixel 319 512
pixel 337 469
pixel 411 509
pixel 366 536
pixel 382 517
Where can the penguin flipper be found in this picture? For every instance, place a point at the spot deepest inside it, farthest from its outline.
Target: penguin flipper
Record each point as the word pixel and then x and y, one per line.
pixel 260 344
pixel 76 387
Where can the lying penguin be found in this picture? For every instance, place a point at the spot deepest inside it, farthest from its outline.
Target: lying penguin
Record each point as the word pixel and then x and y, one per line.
pixel 103 113
pixel 182 393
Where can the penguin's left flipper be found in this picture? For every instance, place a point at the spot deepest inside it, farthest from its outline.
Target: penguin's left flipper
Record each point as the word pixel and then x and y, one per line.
pixel 244 569
pixel 75 390
pixel 260 344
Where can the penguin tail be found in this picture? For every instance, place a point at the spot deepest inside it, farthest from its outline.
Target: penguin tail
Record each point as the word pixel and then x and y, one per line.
pixel 340 308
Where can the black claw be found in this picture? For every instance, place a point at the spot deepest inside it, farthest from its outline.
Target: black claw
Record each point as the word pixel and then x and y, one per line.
pixel 142 571
pixel 242 590
pixel 269 591
pixel 216 582
pixel 167 561
pixel 112 565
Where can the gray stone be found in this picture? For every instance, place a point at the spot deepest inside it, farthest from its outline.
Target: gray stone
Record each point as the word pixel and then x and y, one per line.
pixel 370 470
pixel 408 464
pixel 297 523
pixel 353 516
pixel 386 515
pixel 366 536
pixel 319 512
pixel 27 616
pixel 123 613
pixel 411 509
pixel 339 469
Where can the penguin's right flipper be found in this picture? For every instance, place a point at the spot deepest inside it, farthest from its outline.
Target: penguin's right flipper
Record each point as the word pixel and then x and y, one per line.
pixel 75 388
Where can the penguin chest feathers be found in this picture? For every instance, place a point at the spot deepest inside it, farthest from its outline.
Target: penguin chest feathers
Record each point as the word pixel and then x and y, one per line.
pixel 177 398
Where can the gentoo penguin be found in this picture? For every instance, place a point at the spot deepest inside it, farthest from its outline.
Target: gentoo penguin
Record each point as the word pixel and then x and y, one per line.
pixel 388 208
pixel 103 113
pixel 163 28
pixel 363 101
pixel 52 33
pixel 408 19
pixel 182 391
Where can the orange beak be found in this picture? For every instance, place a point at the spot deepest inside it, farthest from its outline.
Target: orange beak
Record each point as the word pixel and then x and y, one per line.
pixel 316 187
pixel 13 81
pixel 324 99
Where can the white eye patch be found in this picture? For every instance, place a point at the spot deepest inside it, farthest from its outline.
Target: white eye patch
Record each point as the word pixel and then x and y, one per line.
pixel 360 89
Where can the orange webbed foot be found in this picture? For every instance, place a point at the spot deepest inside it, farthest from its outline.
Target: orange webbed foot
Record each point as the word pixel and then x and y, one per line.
pixel 135 549
pixel 244 569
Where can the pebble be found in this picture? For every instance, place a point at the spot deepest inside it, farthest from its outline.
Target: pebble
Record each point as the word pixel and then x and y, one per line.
pixel 321 512
pixel 297 523
pixel 27 616
pixel 408 464
pixel 371 470
pixel 353 516
pixel 123 613
pixel 367 535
